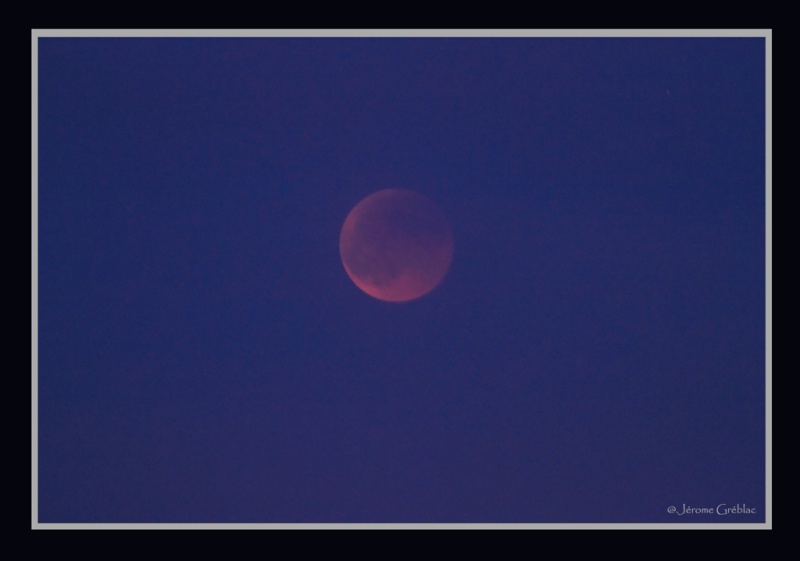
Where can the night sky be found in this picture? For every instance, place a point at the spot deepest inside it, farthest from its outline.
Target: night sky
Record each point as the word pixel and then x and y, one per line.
pixel 596 352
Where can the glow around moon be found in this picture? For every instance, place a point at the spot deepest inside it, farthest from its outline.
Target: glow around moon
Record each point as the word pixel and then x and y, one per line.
pixel 396 245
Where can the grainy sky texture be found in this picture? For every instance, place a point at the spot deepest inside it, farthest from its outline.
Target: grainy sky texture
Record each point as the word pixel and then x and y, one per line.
pixel 595 353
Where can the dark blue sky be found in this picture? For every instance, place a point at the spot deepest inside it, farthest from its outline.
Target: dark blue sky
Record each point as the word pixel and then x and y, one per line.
pixel 595 354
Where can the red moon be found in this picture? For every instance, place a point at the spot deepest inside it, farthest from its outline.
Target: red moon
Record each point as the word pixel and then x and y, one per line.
pixel 396 245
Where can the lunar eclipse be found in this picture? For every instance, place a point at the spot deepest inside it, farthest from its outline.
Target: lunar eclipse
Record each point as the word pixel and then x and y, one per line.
pixel 396 245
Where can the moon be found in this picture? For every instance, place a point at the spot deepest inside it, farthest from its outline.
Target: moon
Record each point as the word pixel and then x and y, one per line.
pixel 396 245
